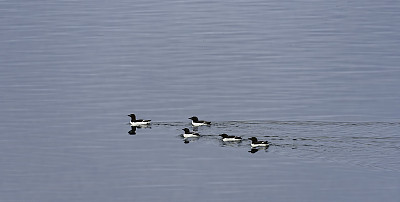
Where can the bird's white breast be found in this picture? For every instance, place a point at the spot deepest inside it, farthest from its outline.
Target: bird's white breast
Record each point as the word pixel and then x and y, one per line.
pixel 198 124
pixel 190 135
pixel 259 145
pixel 230 139
pixel 139 123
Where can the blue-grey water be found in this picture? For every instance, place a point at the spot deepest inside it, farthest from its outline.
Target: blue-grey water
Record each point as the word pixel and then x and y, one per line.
pixel 318 79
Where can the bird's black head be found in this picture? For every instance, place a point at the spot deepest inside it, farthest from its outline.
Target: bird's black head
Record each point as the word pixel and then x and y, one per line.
pixel 186 130
pixel 133 117
pixel 253 139
pixel 223 135
pixel 194 118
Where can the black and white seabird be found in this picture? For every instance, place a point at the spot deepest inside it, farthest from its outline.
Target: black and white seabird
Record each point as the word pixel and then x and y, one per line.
pixel 188 133
pixel 257 143
pixel 229 138
pixel 138 122
pixel 197 122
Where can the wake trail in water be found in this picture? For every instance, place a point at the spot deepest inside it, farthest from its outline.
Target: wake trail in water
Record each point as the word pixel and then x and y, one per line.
pixel 371 144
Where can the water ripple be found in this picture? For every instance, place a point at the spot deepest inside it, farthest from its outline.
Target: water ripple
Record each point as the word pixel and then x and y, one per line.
pixel 361 143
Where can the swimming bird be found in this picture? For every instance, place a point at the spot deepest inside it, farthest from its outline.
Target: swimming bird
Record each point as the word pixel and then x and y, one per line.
pixel 257 143
pixel 188 133
pixel 228 138
pixel 197 122
pixel 138 122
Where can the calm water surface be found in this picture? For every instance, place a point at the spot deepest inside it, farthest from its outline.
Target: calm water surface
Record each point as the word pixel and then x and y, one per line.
pixel 319 80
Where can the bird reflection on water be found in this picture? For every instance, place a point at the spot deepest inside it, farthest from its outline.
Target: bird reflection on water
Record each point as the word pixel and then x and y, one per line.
pixel 256 149
pixel 133 129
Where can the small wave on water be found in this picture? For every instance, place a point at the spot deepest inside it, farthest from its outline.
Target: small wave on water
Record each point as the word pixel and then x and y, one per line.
pixel 371 144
